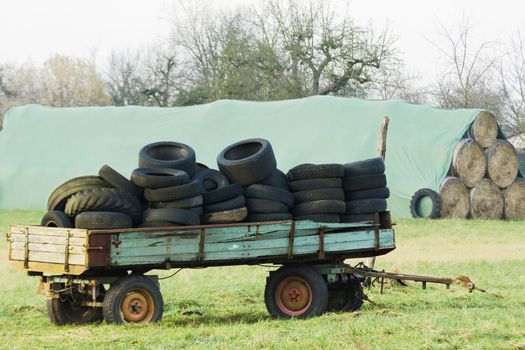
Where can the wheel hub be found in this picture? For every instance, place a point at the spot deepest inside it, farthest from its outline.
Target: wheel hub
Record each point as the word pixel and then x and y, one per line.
pixel 294 296
pixel 137 307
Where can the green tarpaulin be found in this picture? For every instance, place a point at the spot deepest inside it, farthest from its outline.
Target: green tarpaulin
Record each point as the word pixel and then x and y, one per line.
pixel 41 147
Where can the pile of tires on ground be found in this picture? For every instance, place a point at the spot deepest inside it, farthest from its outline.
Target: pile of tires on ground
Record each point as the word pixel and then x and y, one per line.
pixel 171 189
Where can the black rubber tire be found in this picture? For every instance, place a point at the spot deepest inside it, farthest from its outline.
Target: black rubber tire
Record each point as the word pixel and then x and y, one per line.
pixel 197 210
pixel 277 179
pixel 364 167
pixel 157 224
pixel 273 193
pixel 173 215
pixel 116 179
pixel 349 218
pixel 265 206
pixel 158 177
pixel 225 217
pixel 99 220
pixel 329 218
pixel 104 199
pixel 314 281
pixel 247 162
pixel 122 288
pixel 314 184
pixel 64 312
pixel 200 166
pixel 211 179
pixel 58 198
pixel 379 192
pixel 305 172
pixel 435 213
pixel 168 154
pixel 366 206
pixel 364 182
pixel 269 217
pixel 229 204
pixel 56 218
pixel 182 203
pixel 324 206
pixel 174 193
pixel 319 194
pixel 222 194
pixel 343 297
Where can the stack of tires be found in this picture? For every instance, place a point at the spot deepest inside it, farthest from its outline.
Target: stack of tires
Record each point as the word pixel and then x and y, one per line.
pixel 173 197
pixel 318 192
pixel 251 164
pixel 365 189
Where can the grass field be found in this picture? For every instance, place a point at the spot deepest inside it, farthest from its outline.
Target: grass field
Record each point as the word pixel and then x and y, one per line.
pixel 233 315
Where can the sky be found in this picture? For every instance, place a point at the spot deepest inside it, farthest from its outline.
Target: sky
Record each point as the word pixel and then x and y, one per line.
pixel 32 30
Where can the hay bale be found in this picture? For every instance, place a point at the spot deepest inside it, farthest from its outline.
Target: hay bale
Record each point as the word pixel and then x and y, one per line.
pixel 486 201
pixel 454 196
pixel 468 162
pixel 502 163
pixel 514 198
pixel 484 129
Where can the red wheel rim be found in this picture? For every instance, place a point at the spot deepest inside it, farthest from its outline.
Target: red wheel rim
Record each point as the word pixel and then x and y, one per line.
pixel 293 296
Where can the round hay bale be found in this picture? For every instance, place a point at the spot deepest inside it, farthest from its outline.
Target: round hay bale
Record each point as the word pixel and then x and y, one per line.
pixel 502 163
pixel 468 162
pixel 486 201
pixel 514 197
pixel 454 196
pixel 484 129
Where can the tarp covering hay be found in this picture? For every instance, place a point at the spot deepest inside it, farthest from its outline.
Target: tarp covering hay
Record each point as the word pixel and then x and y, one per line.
pixel 41 147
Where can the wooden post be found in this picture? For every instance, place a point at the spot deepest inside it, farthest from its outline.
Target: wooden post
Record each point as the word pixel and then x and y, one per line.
pixel 381 153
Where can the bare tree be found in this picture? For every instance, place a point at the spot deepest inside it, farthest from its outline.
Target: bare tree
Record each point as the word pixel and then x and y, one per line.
pixel 125 79
pixel 398 84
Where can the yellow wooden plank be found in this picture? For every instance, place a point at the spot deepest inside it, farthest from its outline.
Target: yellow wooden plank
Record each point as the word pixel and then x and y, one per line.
pixel 48 239
pixel 48 257
pixel 46 247
pixel 49 268
pixel 48 231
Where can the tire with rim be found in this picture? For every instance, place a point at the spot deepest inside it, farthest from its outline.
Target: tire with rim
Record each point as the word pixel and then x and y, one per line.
pixel 211 179
pixel 313 184
pixel 116 179
pixel 366 206
pixel 58 198
pixel 133 299
pixel 364 182
pixel 66 310
pixel 104 199
pixel 273 193
pixel 364 167
pixel 168 154
pixel 174 193
pixel 248 161
pixel 435 202
pixel 345 296
pixel 158 177
pixel 306 171
pixel 56 218
pixel 98 220
pixel 295 291
pixel 323 206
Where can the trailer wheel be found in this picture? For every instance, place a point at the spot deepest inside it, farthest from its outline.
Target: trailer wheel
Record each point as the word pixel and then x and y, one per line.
pixel 133 299
pixel 63 311
pixel 345 296
pixel 295 291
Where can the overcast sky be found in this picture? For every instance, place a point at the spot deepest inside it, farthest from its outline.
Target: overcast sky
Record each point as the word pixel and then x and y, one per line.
pixel 34 29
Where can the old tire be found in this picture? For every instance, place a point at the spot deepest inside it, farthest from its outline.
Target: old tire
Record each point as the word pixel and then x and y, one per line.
pixel 225 217
pixel 363 182
pixel 133 299
pixel 229 204
pixel 157 224
pixel 265 206
pixel 380 192
pixel 269 217
pixel 319 194
pixel 173 215
pixel 272 193
pixel 366 206
pixel 429 210
pixel 56 219
pixel 58 198
pixel 329 218
pixel 117 180
pixel 174 155
pixel 349 218
pixel 324 206
pixel 345 296
pixel 222 194
pixel 313 184
pixel 247 162
pixel 277 179
pixel 295 291
pixel 305 172
pixel 174 193
pixel 181 203
pixel 364 167
pixel 99 220
pixel 104 199
pixel 64 311
pixel 211 179
pixel 154 178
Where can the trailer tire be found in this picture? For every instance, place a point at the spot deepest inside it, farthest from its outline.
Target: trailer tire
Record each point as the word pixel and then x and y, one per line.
pixel 273 193
pixel 295 291
pixel 365 167
pixel 174 193
pixel 167 154
pixel 345 296
pixel 222 194
pixel 319 194
pixel 98 220
pixel 116 179
pixel 56 218
pixel 324 206
pixel 313 184
pixel 133 299
pixel 313 171
pixel 158 177
pixel 435 212
pixel 63 312
pixel 277 179
pixel 58 198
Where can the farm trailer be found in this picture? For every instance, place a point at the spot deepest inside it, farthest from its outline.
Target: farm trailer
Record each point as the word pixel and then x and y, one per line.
pixel 90 275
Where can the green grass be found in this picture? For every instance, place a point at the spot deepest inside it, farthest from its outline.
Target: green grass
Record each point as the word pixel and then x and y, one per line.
pixel 233 314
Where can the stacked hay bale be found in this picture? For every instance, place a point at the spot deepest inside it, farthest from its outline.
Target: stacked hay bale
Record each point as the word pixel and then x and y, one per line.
pixel 483 182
